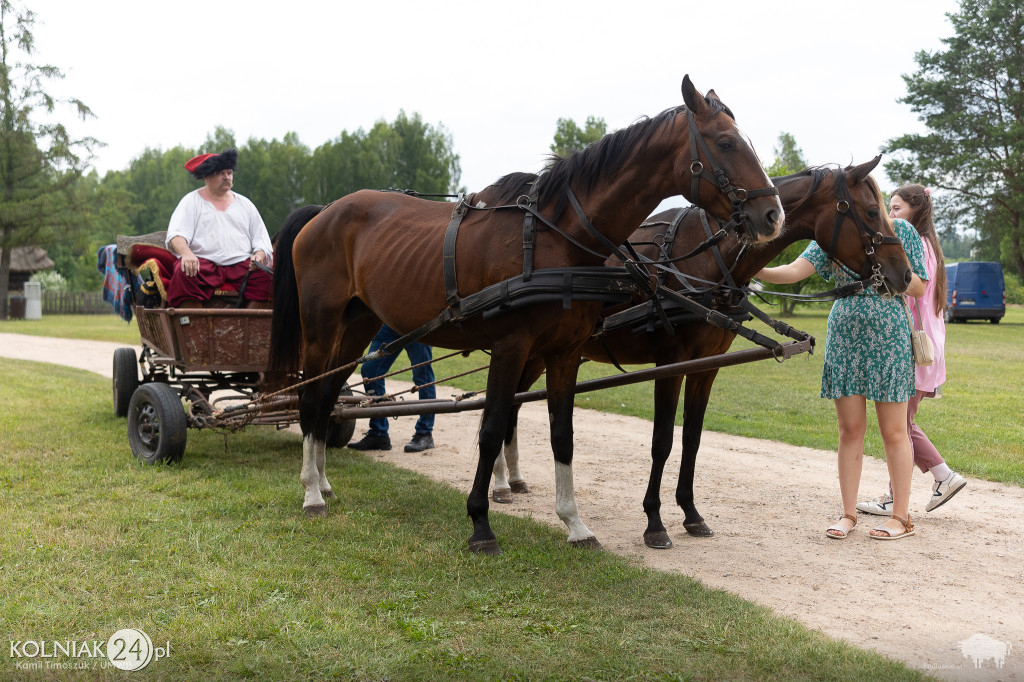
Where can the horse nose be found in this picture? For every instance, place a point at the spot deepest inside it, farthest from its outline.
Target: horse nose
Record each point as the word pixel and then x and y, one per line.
pixel 908 277
pixel 772 217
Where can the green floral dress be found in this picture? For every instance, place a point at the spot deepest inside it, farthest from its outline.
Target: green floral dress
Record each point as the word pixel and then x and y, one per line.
pixel 867 346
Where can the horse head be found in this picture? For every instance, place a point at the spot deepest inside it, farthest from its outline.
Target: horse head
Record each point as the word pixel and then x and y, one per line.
pixel 860 233
pixel 719 171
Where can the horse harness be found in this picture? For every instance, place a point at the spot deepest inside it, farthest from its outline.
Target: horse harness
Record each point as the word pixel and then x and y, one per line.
pixel 610 285
pixel 725 304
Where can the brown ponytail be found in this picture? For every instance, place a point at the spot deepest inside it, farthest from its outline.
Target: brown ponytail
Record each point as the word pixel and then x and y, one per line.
pixel 918 197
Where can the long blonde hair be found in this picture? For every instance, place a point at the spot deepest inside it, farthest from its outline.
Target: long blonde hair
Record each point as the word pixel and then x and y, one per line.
pixel 919 198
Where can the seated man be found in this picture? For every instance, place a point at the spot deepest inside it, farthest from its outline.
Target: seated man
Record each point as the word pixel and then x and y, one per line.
pixel 218 236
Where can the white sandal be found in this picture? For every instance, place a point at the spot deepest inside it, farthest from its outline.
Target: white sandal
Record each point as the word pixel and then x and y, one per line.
pixel 841 533
pixel 908 529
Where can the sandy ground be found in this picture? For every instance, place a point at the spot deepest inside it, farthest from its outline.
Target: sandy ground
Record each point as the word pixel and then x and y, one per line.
pixel 948 601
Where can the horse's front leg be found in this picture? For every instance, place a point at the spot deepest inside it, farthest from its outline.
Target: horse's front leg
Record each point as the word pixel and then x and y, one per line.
pixel 666 401
pixel 493 426
pixel 695 405
pixel 561 385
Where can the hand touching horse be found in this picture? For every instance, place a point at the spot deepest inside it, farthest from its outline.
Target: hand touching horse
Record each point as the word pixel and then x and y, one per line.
pixel 376 257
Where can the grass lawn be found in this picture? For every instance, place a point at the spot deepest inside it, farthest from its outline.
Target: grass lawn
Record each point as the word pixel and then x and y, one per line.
pixel 214 557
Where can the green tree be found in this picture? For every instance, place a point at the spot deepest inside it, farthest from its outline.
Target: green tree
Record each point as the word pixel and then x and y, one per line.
pixel 104 211
pixel 569 137
pixel 333 169
pixel 280 175
pixel 789 159
pixel 156 180
pixel 272 174
pixel 40 162
pixel 971 98
pixel 405 154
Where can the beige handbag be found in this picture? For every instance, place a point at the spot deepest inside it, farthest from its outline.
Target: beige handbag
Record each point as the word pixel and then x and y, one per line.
pixel 920 343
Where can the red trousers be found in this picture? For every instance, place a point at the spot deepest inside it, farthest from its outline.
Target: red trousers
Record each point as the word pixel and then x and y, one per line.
pixel 212 277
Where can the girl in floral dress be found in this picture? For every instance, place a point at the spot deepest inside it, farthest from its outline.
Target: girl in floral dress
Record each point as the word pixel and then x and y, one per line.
pixel 867 357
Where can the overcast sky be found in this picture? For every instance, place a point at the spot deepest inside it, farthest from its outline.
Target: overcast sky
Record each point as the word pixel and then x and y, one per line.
pixel 497 76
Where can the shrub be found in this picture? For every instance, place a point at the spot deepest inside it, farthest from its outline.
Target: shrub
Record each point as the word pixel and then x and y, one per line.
pixel 50 280
pixel 1014 287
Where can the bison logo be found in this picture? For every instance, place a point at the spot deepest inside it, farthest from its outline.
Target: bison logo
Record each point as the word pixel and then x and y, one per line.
pixel 980 648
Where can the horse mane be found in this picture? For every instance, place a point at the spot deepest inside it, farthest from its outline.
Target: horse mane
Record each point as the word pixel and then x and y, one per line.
pixel 585 167
pixel 817 175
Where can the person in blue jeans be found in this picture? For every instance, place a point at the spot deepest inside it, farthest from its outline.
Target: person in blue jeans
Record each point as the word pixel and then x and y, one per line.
pixel 377 437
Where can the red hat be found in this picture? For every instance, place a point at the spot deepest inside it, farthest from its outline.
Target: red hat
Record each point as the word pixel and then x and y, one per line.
pixel 208 164
pixel 194 162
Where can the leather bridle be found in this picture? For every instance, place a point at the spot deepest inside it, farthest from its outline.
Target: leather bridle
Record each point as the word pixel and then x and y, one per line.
pixel 737 195
pixel 870 238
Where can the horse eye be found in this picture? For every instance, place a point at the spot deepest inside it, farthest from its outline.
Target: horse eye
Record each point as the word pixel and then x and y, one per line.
pixel 726 145
pixel 873 213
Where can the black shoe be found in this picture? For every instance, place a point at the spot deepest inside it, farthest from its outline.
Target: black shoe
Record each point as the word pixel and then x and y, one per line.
pixel 372 441
pixel 420 442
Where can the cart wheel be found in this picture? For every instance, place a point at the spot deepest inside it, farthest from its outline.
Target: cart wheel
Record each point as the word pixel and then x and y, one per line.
pixel 126 379
pixel 340 432
pixel 157 430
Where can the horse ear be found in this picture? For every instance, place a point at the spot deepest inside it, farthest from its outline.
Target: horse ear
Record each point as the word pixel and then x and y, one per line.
pixel 694 100
pixel 856 174
pixel 712 95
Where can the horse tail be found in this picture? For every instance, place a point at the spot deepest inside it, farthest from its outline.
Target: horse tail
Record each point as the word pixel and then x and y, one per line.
pixel 286 323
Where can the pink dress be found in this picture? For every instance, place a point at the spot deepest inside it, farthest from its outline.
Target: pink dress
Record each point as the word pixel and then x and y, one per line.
pixel 931 377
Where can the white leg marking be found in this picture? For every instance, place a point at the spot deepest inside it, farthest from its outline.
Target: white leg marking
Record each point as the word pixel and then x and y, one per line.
pixel 321 467
pixel 512 458
pixel 565 503
pixel 310 474
pixel 500 474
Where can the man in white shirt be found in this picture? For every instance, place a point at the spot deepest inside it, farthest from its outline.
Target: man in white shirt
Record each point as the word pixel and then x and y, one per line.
pixel 218 236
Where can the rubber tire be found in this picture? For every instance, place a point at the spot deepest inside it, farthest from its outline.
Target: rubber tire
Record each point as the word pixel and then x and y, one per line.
pixel 340 433
pixel 126 379
pixel 948 316
pixel 157 430
pixel 994 320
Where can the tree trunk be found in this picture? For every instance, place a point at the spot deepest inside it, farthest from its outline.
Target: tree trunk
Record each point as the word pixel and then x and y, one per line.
pixel 5 270
pixel 1018 257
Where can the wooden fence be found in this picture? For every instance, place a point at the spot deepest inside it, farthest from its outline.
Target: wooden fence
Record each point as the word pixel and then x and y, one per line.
pixel 75 303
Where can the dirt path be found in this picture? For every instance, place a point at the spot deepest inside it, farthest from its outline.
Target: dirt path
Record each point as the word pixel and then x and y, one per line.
pixel 956 588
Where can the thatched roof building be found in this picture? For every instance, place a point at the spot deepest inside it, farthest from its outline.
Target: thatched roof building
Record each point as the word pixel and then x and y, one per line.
pixel 26 260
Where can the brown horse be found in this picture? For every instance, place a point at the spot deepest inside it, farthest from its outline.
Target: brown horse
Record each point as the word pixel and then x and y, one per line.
pixel 810 200
pixel 376 257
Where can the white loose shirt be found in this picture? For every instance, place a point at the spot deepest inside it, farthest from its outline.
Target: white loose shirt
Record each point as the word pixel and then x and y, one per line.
pixel 222 237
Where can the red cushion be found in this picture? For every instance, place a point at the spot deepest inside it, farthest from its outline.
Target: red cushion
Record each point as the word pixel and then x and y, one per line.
pixel 140 253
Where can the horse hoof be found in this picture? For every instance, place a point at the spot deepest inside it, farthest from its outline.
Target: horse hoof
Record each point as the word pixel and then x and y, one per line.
pixel 502 496
pixel 699 529
pixel 658 539
pixel 519 486
pixel 316 511
pixel 328 494
pixel 586 543
pixel 488 547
